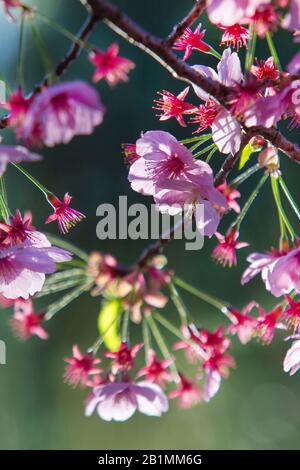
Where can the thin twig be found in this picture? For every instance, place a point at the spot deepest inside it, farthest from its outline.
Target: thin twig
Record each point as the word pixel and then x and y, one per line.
pixel 192 16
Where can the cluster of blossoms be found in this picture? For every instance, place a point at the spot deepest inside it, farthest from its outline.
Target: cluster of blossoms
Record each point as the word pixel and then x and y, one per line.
pixel 180 181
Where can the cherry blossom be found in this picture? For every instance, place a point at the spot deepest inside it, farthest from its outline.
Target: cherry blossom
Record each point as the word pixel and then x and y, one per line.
pixel 234 36
pixel 226 130
pixel 123 359
pixel 18 154
pixel 230 12
pixel 119 401
pixel 191 40
pixel 188 394
pixel 156 370
pixel 174 106
pixel 80 367
pixel 66 216
pixel 110 66
pixel 225 252
pixel 243 325
pixel 25 322
pixel 60 112
pixel 291 361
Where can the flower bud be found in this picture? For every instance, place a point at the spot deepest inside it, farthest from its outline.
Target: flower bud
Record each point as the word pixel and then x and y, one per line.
pixel 269 159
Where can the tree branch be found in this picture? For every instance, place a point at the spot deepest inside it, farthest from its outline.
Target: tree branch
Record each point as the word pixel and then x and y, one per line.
pixel 230 161
pixel 158 50
pixel 192 16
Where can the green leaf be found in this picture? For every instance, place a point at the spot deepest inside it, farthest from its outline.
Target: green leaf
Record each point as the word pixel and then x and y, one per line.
pixel 108 324
pixel 246 153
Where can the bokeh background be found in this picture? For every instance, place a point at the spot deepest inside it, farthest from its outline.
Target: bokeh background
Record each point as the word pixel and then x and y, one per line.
pixel 259 406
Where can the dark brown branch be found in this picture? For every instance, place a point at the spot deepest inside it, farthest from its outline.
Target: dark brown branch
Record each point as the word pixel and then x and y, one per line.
pixel 178 30
pixel 157 48
pixel 278 140
pixel 73 52
pixel 230 161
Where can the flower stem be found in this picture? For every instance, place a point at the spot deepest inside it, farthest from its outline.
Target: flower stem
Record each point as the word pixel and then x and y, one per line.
pixel 164 322
pixel 273 50
pixel 221 305
pixel 60 286
pixel 245 175
pixel 205 150
pixel 190 140
pixel 146 338
pixel 4 211
pixel 289 197
pixel 162 346
pixel 178 304
pixel 215 53
pixel 42 48
pixel 283 219
pixel 42 188
pixel 211 153
pixel 20 78
pixel 66 299
pixel 252 197
pixel 3 188
pixel 251 50
pixel 125 327
pixel 65 32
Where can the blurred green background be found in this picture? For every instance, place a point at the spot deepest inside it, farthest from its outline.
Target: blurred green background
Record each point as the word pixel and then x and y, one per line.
pixel 259 405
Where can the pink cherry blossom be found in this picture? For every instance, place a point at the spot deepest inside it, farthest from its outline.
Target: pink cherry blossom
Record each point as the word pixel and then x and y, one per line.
pixel 268 322
pixel 60 112
pixel 23 266
pixel 284 276
pixel 226 130
pixel 294 65
pixel 17 105
pixel 18 229
pixel 123 359
pixel 231 195
pixel 191 40
pixel 265 19
pixel 63 213
pixel 188 394
pixel 212 385
pixel 119 401
pixel 229 12
pixel 234 36
pixel 205 115
pixel 225 252
pixel 18 154
pixel 80 367
pixel 292 314
pixel 243 325
pixel 265 69
pixel 292 19
pixel 174 106
pixel 163 160
pixel 110 66
pixel 291 361
pixel 8 5
pixel 268 110
pixel 156 370
pixel 261 263
pixel 25 322
pixel 220 363
pixel 168 171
